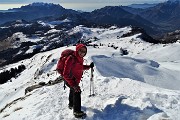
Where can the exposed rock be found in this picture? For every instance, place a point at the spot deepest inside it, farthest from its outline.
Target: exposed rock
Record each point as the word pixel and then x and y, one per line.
pixel 41 84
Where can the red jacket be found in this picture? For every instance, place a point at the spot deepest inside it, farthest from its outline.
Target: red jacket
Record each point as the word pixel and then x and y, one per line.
pixel 73 68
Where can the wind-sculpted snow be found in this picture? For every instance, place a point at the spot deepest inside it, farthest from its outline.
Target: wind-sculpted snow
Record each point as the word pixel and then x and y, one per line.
pixel 118 67
pixel 137 69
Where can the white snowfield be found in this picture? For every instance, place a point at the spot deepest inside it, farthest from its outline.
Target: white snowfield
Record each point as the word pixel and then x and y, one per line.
pixel 143 85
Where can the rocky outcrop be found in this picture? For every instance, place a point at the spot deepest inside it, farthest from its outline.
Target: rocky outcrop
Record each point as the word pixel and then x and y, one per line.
pixel 144 36
pixel 41 84
pixel 170 37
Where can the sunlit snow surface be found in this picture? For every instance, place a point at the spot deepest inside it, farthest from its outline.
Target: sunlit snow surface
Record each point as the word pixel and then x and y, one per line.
pixel 143 85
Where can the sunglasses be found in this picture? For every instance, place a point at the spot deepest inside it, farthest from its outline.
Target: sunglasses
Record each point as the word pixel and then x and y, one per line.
pixel 82 51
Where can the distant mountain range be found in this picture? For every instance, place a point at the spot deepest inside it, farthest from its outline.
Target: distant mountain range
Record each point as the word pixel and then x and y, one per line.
pixel 115 15
pixel 34 11
pixel 104 16
pixel 165 14
pixel 154 18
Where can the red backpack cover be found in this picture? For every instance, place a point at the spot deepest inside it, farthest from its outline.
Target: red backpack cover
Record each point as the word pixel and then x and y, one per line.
pixel 61 62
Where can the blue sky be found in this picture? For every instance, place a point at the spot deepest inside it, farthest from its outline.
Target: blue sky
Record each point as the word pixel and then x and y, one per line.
pixel 86 5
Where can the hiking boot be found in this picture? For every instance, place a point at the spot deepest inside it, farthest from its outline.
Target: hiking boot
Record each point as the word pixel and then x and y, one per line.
pixel 70 107
pixel 80 114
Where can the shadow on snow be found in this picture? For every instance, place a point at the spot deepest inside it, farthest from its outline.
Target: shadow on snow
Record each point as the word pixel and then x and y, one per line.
pixel 119 111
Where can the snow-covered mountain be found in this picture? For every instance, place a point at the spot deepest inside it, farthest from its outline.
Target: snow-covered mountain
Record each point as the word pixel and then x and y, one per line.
pixel 141 85
pixel 41 36
pixel 34 11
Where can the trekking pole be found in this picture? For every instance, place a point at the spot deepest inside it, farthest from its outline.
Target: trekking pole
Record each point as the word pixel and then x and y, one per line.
pixel 92 83
pixel 90 88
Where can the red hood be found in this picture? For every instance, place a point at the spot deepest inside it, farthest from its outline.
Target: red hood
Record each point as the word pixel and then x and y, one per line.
pixel 78 46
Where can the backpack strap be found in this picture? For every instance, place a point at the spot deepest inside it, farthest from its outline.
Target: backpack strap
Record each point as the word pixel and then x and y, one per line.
pixel 65 82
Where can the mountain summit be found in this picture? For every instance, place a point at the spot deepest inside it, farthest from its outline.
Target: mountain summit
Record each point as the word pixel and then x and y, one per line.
pixel 34 11
pixel 116 15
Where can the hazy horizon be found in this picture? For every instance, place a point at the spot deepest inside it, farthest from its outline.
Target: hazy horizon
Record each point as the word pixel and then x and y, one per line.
pixel 77 6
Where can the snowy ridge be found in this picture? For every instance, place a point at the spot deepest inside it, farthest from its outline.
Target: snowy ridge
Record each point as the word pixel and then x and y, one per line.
pixel 143 85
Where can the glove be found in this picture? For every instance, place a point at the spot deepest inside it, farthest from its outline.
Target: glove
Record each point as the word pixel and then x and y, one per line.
pixel 77 89
pixel 91 65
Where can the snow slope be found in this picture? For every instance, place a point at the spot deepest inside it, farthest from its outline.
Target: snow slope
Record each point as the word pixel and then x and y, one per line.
pixel 142 85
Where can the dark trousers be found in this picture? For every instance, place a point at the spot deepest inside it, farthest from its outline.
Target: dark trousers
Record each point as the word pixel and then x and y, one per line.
pixel 75 100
